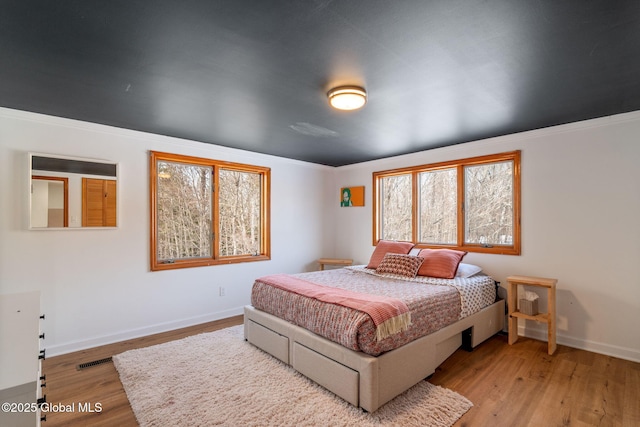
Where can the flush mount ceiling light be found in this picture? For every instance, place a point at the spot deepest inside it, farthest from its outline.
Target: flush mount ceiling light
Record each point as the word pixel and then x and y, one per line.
pixel 347 97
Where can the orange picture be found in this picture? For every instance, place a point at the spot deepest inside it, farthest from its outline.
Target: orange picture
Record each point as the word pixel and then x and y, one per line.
pixel 352 196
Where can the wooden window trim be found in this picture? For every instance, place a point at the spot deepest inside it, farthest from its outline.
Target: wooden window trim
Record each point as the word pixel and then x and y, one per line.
pixel 216 259
pixel 514 249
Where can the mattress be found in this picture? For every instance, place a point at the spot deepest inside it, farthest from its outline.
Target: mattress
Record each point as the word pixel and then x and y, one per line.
pixel 433 304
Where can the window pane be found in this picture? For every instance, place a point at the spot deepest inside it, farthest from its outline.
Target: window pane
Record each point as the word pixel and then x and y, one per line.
pixel 395 198
pixel 438 205
pixel 489 204
pixel 239 206
pixel 183 211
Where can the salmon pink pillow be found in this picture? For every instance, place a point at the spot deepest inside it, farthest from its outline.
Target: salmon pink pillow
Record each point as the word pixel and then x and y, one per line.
pixel 441 263
pixel 388 246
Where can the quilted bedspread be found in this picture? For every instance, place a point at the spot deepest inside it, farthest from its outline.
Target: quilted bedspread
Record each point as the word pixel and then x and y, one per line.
pixel 433 303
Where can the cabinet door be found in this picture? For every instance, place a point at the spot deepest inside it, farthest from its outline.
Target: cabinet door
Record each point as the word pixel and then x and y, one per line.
pixel 98 202
pixel 110 203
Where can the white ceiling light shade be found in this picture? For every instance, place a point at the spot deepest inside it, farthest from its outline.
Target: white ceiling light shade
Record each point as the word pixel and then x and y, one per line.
pixel 347 97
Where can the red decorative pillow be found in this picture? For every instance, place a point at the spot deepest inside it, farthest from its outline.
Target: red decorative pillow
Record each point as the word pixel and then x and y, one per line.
pixel 388 246
pixel 442 263
pixel 400 265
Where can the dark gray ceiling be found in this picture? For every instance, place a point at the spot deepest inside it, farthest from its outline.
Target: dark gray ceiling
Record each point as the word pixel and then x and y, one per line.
pixel 254 74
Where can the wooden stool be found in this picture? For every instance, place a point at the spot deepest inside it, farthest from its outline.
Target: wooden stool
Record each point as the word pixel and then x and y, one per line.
pixel 549 318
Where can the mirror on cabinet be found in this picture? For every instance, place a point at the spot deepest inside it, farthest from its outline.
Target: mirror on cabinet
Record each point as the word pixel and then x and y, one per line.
pixel 72 193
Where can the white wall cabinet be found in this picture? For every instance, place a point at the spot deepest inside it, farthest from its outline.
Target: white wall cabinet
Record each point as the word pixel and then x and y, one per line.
pixel 20 362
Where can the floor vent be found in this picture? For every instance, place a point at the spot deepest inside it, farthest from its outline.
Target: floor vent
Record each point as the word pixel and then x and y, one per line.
pixel 94 363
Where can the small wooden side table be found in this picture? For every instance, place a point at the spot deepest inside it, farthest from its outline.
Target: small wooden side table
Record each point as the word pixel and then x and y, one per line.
pixel 549 317
pixel 334 261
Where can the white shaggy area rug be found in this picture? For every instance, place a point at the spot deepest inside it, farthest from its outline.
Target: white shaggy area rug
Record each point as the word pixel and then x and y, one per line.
pixel 218 379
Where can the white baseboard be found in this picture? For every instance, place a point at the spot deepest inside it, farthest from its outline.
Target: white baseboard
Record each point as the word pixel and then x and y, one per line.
pixel 595 347
pixel 539 334
pixel 57 350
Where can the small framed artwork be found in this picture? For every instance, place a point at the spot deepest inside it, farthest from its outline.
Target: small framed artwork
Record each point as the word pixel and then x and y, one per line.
pixel 352 196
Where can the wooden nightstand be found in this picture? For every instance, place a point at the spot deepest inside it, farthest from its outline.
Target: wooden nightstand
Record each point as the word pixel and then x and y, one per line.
pixel 334 261
pixel 549 317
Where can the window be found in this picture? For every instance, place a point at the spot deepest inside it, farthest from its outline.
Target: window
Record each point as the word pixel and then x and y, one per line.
pixel 207 212
pixel 395 205
pixel 470 204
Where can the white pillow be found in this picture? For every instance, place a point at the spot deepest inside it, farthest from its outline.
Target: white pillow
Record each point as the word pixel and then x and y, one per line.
pixel 467 270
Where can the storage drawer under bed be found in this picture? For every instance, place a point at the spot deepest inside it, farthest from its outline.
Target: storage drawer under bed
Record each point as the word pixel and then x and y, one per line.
pixel 270 341
pixel 330 374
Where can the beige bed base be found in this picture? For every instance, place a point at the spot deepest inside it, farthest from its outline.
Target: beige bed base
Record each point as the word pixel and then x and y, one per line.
pixel 363 380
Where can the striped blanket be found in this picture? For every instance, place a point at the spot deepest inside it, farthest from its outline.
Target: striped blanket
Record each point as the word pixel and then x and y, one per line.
pixel 390 315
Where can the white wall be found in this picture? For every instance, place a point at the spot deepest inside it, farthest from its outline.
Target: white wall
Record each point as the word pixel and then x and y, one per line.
pixel 580 224
pixel 580 210
pixel 96 285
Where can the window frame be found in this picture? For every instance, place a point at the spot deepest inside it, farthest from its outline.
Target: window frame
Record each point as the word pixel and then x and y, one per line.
pixel 215 259
pixel 459 165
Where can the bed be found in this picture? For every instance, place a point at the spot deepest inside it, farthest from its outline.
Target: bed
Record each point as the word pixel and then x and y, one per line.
pixel 339 348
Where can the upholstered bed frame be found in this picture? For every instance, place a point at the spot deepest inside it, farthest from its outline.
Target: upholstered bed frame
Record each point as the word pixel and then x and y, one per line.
pixel 363 380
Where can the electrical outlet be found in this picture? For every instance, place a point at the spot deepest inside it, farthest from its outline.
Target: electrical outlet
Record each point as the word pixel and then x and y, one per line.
pixel 222 292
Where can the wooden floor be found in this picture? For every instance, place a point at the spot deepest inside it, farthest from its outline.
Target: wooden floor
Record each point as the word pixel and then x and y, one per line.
pixel 100 384
pixel 521 385
pixel 518 385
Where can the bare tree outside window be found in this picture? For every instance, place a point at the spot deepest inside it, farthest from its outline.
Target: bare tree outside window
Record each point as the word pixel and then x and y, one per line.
pixel 207 212
pixel 438 205
pixel 395 196
pixel 239 213
pixel 489 204
pixel 470 204
pixel 184 211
